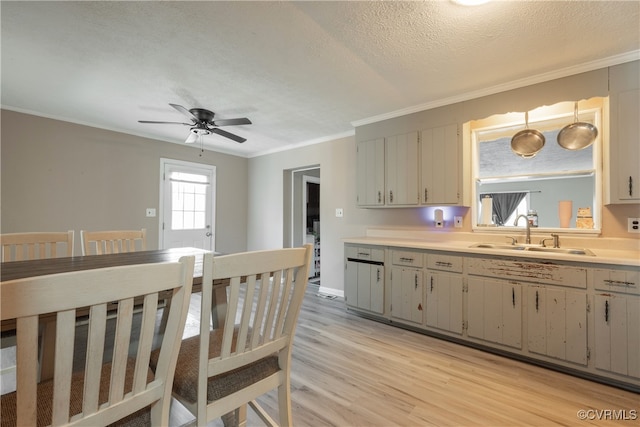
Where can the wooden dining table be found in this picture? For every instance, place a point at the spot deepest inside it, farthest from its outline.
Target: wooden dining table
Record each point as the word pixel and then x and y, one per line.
pixel 30 268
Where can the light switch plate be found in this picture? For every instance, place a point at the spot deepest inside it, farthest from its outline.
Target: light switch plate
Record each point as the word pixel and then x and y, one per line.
pixel 339 213
pixel 633 225
pixel 457 221
pixel 151 212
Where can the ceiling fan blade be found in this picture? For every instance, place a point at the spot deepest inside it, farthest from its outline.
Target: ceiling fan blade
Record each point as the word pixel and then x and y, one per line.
pixel 165 123
pixel 232 122
pixel 226 134
pixel 193 137
pixel 184 111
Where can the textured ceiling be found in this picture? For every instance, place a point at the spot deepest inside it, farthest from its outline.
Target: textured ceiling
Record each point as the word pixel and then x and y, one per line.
pixel 301 71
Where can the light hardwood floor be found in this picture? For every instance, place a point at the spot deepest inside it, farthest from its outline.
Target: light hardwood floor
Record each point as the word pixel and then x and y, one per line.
pixel 352 371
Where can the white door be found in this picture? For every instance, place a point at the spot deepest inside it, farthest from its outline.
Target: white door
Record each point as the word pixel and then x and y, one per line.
pixel 187 205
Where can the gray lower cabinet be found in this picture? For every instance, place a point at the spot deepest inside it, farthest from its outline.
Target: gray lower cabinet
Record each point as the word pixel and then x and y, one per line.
pixel 495 311
pixel 573 315
pixel 444 293
pixel 406 294
pixel 364 279
pixel 617 333
pixel 444 301
pixel 557 323
pixel 407 290
pixel 617 320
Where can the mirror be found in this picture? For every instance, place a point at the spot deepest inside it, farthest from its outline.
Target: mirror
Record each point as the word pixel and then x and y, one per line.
pixel 506 185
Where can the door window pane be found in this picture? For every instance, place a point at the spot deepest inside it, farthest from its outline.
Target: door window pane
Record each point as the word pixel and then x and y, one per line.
pixel 189 200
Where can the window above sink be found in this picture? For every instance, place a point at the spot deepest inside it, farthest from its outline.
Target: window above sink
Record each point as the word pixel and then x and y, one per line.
pixel 515 185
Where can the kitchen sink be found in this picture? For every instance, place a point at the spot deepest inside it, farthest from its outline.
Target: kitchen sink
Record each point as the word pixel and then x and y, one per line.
pixel 569 251
pixel 498 246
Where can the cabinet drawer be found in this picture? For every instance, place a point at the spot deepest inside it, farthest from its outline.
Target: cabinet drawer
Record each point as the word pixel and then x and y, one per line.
pixel 408 258
pixel 365 253
pixel 625 281
pixel 562 275
pixel 444 262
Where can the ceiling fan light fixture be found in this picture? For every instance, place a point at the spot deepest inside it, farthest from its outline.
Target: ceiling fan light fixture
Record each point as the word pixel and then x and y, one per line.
pixel 200 131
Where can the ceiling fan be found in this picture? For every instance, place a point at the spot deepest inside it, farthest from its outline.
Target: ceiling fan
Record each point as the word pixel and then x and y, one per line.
pixel 202 123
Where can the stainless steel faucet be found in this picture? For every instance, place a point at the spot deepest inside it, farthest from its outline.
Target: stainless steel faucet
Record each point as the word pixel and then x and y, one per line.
pixel 528 238
pixel 555 238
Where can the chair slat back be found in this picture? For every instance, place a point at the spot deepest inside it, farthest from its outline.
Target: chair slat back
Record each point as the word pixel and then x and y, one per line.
pixel 109 391
pixel 113 242
pixel 28 246
pixel 266 289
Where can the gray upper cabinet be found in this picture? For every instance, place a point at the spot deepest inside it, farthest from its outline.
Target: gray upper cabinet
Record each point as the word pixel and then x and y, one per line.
pixel 440 166
pixel 370 173
pixel 623 178
pixel 627 147
pixel 402 169
pixel 411 169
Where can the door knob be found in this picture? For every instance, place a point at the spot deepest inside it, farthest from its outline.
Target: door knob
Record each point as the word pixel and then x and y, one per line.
pixel 208 234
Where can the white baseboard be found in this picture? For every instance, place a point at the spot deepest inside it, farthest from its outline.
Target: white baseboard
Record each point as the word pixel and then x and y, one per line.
pixel 331 291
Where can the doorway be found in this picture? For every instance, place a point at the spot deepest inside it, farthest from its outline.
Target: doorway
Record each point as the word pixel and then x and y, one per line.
pixel 302 211
pixel 187 205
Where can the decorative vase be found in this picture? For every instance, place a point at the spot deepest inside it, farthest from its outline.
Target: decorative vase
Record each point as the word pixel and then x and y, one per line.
pixel 565 208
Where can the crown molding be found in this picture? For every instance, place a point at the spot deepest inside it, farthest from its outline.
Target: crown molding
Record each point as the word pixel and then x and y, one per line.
pixel 516 84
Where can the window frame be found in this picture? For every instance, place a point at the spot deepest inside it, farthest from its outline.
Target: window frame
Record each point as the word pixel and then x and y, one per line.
pixel 595 110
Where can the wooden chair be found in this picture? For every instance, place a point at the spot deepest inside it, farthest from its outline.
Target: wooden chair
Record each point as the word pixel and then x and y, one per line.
pixel 113 242
pixel 124 390
pixel 26 246
pixel 223 369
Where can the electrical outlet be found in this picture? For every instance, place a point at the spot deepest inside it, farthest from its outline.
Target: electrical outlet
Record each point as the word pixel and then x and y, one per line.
pixel 457 221
pixel 633 225
pixel 339 213
pixel 151 212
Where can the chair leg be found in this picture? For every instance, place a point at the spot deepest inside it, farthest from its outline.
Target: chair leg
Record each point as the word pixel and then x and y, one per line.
pixel 284 404
pixel 266 418
pixel 235 418
pixel 241 415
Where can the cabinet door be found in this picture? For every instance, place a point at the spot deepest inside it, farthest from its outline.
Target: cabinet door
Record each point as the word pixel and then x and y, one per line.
pixel 475 308
pixel 406 294
pixel 512 314
pixel 440 165
pixel 370 172
pixel 364 286
pixel 627 146
pixel 617 334
pixel 376 282
pixel 576 327
pixel 495 311
pixel 557 323
pixel 537 319
pixel 402 169
pixel 351 284
pixel 444 301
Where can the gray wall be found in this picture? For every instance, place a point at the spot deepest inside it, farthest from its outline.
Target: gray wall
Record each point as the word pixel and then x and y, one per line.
pixel 59 176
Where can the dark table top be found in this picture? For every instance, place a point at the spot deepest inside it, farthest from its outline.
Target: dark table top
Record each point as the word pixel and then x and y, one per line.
pixel 21 269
